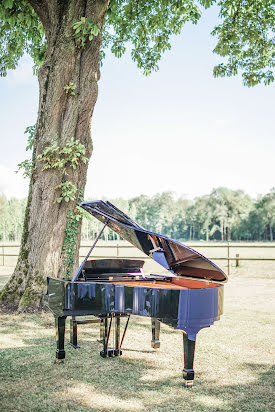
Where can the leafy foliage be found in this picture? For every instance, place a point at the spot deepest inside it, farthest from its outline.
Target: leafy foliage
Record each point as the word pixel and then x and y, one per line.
pixel 71 154
pixel 20 32
pixel 71 230
pixel 11 218
pixel 246 39
pixel 30 130
pixel 147 26
pixel 84 30
pixel 69 244
pixel 55 158
pixel 245 36
pixel 70 89
pixel 68 191
pixel 223 214
pixel 26 167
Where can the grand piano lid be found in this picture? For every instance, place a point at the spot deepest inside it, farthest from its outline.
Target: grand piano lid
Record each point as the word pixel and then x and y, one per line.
pixel 179 259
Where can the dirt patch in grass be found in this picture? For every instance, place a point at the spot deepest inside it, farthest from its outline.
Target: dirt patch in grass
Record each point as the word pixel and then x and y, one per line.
pixel 8 308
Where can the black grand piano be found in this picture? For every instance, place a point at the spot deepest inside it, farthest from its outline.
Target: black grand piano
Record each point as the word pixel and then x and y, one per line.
pixel 189 296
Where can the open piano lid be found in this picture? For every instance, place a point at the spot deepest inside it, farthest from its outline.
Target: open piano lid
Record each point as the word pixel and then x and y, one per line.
pixel 179 259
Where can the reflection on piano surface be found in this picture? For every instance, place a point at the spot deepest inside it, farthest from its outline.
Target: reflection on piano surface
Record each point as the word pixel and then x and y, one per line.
pixel 188 297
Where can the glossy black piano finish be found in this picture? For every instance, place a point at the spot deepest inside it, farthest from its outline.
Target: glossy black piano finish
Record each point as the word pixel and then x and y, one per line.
pixel 186 309
pixel 189 297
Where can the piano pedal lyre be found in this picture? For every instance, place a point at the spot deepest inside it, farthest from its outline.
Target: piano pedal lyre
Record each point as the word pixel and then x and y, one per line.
pixel 107 351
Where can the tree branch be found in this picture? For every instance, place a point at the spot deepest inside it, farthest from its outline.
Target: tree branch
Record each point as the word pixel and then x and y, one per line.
pixel 41 8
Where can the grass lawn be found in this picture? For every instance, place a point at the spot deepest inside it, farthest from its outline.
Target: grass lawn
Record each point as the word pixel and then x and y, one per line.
pixel 234 362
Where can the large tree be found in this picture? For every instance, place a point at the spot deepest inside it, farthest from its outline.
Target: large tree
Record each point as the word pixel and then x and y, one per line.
pixel 66 40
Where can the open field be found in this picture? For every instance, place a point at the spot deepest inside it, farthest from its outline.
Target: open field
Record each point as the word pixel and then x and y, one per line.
pixel 234 361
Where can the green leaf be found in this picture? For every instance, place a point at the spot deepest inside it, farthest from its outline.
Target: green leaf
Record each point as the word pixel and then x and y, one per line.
pixel 8 4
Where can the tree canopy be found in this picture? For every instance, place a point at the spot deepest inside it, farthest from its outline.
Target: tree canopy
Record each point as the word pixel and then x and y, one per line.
pixel 223 214
pixel 245 34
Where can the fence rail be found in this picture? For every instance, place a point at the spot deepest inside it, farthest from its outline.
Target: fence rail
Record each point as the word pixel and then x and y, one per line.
pixel 118 248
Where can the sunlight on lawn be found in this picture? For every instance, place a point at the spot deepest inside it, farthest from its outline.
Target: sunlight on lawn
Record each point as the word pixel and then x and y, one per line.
pixel 88 396
pixel 211 402
pixel 9 341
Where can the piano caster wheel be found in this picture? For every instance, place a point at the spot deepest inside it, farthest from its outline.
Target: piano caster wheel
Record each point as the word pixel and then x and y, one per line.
pixel 59 361
pixel 155 344
pixel 110 353
pixel 60 356
pixel 188 384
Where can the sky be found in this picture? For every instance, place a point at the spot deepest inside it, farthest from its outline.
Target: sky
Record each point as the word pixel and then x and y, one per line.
pixel 178 130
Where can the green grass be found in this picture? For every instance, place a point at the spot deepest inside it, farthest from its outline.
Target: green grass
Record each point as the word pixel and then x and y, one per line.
pixel 233 362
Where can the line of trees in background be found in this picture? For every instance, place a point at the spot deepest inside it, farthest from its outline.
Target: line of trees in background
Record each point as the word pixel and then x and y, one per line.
pixel 222 215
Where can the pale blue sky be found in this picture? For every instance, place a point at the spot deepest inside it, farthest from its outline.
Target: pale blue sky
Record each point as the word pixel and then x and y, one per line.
pixel 179 129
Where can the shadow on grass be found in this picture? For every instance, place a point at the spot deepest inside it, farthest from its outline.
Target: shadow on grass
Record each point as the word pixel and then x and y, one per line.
pixel 87 382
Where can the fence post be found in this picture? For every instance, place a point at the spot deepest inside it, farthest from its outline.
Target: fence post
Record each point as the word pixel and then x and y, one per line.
pixel 237 259
pixel 228 259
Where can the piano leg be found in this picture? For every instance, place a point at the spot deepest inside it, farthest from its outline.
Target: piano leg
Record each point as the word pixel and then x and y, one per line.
pixel 189 352
pixel 155 342
pixel 106 333
pixel 101 331
pixel 60 337
pixel 73 333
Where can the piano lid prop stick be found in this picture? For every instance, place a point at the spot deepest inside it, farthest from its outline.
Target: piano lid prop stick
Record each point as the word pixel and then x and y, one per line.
pixel 79 270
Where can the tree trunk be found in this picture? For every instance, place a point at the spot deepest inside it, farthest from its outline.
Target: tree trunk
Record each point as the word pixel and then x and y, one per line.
pixel 207 233
pixel 61 117
pixel 221 230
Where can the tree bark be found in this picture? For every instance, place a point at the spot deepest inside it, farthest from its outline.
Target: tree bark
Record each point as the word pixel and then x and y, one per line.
pixel 207 233
pixel 60 118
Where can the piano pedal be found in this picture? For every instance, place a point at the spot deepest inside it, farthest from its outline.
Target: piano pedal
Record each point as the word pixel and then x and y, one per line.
pixel 74 346
pixel 110 353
